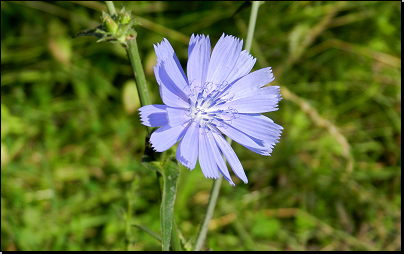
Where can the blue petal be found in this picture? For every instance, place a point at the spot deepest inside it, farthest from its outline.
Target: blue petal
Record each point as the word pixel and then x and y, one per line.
pixel 164 51
pixel 223 59
pixel 252 143
pixel 231 156
pixel 170 93
pixel 169 73
pixel 198 60
pixel 154 115
pixel 250 82
pixel 177 116
pixel 243 66
pixel 192 41
pixel 208 165
pixel 218 158
pixel 165 137
pixel 187 151
pixel 259 127
pixel 257 101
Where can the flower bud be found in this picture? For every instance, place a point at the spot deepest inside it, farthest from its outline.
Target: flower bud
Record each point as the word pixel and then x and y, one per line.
pixel 110 25
pixel 124 18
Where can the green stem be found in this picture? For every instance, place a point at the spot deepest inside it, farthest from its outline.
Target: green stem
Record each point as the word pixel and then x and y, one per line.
pixel 134 57
pixel 169 227
pixel 111 8
pixel 171 170
pixel 133 54
pixel 209 213
pixel 203 230
pixel 251 25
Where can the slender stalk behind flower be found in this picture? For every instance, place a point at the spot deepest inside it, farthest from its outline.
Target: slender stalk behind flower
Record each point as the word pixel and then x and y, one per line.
pixel 203 229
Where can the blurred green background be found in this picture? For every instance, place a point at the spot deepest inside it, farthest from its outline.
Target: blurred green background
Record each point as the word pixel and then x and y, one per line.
pixel 71 139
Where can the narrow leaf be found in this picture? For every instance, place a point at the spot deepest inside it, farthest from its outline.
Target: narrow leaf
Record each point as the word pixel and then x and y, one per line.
pixel 148 231
pixel 170 177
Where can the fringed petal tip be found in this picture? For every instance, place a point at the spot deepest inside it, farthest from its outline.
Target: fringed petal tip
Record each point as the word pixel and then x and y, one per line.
pixel 217 177
pixel 163 50
pixel 153 115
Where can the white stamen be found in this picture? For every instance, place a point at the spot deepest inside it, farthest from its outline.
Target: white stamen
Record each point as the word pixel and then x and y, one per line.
pixel 201 110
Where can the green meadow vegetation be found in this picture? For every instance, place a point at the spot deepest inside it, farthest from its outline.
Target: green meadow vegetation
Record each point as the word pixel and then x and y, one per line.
pixel 72 141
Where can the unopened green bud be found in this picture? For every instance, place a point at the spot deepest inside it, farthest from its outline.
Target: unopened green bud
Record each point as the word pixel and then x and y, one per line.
pixel 110 25
pixel 125 18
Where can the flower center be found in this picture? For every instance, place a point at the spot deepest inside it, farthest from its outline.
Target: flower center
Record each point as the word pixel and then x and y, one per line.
pixel 203 112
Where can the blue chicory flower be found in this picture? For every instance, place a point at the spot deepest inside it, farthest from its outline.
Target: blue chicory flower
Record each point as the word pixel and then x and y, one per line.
pixel 217 96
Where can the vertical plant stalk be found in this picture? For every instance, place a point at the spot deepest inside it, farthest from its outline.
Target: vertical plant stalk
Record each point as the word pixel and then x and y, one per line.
pixel 111 8
pixel 143 91
pixel 134 57
pixel 170 171
pixel 203 230
pixel 251 24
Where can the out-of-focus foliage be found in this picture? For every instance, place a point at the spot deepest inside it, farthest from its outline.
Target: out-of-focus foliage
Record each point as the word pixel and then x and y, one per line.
pixel 71 139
